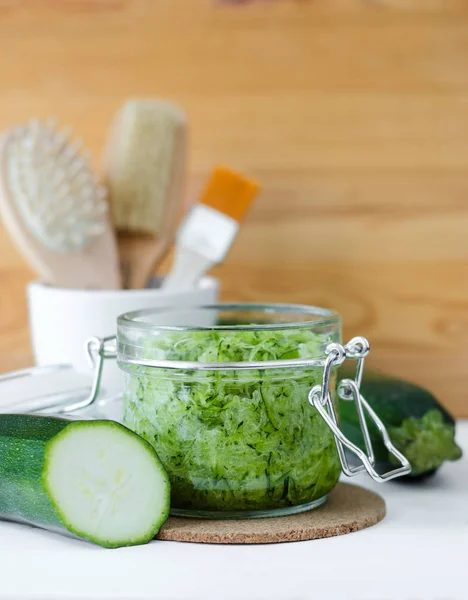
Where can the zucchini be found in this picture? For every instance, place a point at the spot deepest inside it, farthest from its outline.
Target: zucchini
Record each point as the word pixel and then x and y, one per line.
pixel 418 425
pixel 96 480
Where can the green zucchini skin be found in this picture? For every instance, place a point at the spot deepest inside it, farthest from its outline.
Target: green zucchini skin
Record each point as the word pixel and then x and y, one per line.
pixel 418 425
pixel 23 441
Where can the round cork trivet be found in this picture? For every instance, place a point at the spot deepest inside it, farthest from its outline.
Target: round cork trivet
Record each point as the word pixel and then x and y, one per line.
pixel 347 509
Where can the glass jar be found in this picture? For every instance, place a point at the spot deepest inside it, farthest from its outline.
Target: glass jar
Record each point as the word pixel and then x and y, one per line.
pixel 239 402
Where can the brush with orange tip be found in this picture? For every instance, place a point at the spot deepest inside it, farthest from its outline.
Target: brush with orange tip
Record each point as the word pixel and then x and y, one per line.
pixel 208 231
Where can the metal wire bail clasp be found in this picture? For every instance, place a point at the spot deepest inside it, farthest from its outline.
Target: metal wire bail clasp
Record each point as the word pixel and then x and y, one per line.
pixel 98 350
pixel 349 390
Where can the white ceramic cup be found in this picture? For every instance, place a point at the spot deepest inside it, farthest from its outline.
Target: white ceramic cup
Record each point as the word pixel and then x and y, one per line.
pixel 62 320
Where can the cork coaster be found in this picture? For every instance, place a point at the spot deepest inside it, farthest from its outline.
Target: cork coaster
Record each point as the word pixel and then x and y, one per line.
pixel 348 508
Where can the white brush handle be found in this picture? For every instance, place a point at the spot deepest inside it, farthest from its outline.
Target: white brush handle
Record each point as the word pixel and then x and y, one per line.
pixel 203 240
pixel 188 268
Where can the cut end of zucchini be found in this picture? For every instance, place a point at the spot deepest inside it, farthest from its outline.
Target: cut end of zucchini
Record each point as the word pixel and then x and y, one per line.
pixel 106 484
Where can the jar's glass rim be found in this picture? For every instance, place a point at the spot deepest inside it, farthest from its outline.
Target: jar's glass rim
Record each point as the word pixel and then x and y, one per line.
pixel 302 316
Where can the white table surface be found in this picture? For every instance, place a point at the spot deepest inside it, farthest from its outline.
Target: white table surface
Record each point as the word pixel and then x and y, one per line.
pixel 418 552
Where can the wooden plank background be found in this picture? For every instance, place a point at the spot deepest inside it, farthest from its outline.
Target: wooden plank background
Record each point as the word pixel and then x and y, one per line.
pixel 353 115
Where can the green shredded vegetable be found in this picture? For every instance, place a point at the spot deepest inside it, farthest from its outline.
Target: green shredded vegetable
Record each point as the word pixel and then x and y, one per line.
pixel 235 440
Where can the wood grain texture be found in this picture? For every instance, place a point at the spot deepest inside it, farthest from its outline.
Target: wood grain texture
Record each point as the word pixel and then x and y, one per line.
pixel 353 115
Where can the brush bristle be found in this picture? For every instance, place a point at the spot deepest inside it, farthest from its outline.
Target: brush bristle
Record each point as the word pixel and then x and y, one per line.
pixel 229 192
pixel 145 163
pixel 53 186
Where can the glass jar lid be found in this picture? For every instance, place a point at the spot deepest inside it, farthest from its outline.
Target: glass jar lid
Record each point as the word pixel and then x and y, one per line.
pixel 227 336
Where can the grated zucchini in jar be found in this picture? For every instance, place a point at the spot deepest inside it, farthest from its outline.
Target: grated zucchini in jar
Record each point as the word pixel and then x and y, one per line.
pixel 234 440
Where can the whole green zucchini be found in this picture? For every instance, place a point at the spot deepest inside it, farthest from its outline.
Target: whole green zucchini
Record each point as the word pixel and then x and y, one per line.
pixel 96 480
pixel 418 425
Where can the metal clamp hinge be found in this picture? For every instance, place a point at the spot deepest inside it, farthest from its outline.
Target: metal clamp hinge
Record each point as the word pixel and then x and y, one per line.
pixel 349 390
pixel 98 350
